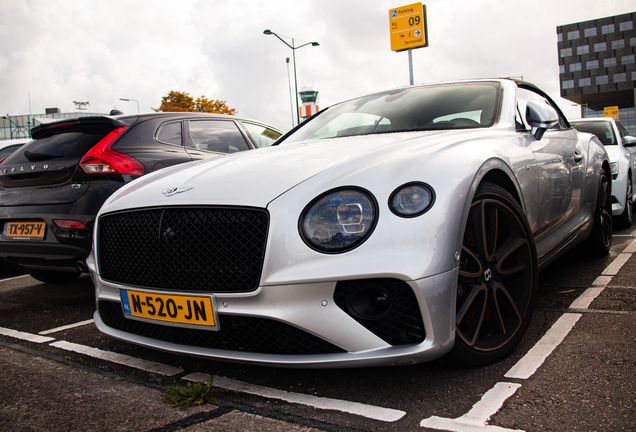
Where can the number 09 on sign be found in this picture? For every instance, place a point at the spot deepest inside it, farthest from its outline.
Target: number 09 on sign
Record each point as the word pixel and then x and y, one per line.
pixel 408 27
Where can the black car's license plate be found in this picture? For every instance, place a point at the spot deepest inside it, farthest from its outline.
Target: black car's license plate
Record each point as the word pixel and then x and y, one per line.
pixel 172 308
pixel 24 230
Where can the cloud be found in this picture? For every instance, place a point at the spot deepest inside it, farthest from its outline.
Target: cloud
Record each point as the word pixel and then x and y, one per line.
pixel 54 53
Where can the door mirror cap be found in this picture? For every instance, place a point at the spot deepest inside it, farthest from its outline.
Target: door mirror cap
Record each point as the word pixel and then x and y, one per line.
pixel 629 141
pixel 540 116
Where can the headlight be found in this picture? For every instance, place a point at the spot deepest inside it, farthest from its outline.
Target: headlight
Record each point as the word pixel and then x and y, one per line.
pixel 411 199
pixel 614 167
pixel 338 220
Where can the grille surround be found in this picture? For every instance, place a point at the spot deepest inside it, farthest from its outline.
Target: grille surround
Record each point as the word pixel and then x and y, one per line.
pixel 211 249
pixel 237 333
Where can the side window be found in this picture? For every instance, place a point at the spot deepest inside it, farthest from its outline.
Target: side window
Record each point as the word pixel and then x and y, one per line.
pixel 263 136
pixel 170 133
pixel 523 97
pixel 621 130
pixel 217 136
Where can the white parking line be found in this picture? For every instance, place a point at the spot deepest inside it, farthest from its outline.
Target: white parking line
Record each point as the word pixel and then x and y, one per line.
pixel 368 411
pixel 122 359
pixel 476 418
pixel 534 358
pixel 15 277
pixel 24 336
pixel 66 327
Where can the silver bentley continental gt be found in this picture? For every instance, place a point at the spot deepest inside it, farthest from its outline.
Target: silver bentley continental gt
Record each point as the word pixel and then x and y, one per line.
pixel 390 229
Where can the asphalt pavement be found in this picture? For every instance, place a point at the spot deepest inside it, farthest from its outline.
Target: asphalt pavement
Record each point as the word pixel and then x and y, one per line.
pixel 593 371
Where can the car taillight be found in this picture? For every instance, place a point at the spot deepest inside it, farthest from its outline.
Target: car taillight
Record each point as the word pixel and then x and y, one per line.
pixel 69 224
pixel 102 159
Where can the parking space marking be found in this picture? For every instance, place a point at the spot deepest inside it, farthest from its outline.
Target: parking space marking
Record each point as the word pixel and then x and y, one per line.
pixel 476 418
pixel 15 277
pixel 616 265
pixel 364 410
pixel 534 358
pixel 25 336
pixel 148 366
pixel 66 327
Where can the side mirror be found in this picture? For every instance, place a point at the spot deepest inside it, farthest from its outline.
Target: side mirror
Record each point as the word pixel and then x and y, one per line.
pixel 540 116
pixel 629 141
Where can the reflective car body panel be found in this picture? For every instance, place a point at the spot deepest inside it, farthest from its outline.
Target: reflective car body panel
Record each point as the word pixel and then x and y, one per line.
pixel 621 153
pixel 555 180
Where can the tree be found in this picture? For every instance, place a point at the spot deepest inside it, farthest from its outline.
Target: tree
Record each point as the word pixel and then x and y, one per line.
pixel 183 102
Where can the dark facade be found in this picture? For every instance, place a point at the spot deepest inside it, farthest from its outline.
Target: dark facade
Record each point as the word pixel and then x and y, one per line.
pixel 597 61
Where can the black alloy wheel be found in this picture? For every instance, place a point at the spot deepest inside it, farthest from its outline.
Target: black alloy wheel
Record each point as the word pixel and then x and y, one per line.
pixel 497 279
pixel 626 218
pixel 601 237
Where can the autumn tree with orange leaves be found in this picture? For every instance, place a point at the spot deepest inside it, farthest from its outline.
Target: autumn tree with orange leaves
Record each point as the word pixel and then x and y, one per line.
pixel 183 102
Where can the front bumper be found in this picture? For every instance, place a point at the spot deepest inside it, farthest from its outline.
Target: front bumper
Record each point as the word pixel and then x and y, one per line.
pixel 308 311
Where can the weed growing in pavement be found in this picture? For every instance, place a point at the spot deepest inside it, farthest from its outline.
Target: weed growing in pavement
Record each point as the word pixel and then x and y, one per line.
pixel 192 394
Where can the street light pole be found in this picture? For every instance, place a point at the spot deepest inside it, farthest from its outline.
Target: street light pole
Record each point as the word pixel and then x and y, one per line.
pixel 294 48
pixel 128 100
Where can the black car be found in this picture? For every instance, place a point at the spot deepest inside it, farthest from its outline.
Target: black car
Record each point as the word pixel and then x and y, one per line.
pixel 52 188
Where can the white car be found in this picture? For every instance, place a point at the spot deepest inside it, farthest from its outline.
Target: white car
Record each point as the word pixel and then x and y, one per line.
pixel 389 229
pixel 620 148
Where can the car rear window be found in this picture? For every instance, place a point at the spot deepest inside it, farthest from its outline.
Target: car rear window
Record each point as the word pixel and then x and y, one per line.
pixel 65 145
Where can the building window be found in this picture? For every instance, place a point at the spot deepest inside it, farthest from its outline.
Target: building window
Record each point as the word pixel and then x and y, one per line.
pixel 607 29
pixel 592 64
pixel 575 67
pixel 574 35
pixel 602 80
pixel 589 32
pixel 621 77
pixel 568 84
pixel 585 82
pixel 600 46
pixel 559 37
pixel 566 52
pixel 561 69
pixel 627 59
pixel 632 41
pixel 618 44
pixel 584 49
pixel 608 62
pixel 627 25
pixel 634 76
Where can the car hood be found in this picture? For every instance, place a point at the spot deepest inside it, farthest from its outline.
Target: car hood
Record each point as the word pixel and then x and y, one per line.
pixel 615 152
pixel 257 177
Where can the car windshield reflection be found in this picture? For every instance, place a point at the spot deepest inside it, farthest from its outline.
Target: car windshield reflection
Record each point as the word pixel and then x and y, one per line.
pixel 457 106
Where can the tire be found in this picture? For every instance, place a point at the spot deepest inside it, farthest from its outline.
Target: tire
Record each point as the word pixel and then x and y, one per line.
pixel 53 277
pixel 627 217
pixel 601 237
pixel 498 279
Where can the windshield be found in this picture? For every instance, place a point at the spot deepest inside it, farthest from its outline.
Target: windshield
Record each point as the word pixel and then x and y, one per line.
pixel 603 130
pixel 449 106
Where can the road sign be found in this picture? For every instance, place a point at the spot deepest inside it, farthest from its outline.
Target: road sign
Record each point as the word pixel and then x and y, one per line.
pixel 408 27
pixel 611 112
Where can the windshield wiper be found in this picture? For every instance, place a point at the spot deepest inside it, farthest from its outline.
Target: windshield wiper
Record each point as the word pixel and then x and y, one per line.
pixel 40 156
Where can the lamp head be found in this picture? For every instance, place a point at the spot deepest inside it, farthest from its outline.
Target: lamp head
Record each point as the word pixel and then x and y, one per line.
pixel 267 32
pixel 315 44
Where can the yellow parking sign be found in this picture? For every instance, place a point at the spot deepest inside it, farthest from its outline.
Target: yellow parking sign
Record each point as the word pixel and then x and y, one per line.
pixel 408 27
pixel 611 112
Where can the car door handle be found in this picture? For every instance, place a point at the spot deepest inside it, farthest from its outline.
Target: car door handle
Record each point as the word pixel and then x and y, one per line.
pixel 578 157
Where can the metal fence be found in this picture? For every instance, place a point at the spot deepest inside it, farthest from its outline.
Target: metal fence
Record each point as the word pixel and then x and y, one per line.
pixel 18 127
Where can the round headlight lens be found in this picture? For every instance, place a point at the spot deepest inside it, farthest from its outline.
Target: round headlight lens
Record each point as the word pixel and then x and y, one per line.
pixel 339 220
pixel 411 200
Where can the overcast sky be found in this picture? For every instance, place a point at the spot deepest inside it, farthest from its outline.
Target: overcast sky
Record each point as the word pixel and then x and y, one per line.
pixel 55 52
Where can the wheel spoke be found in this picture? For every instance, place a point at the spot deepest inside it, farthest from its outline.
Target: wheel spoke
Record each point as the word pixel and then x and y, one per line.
pixel 471 315
pixel 507 251
pixel 469 261
pixel 506 310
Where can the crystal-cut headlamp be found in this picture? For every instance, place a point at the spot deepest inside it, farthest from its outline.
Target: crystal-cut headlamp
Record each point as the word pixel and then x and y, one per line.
pixel 338 220
pixel 411 199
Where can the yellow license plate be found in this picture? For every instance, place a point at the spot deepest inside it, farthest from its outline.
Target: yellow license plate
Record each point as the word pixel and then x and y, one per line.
pixel 24 230
pixel 173 308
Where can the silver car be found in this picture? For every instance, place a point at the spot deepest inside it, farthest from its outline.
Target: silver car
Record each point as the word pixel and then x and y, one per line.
pixel 389 229
pixel 620 148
